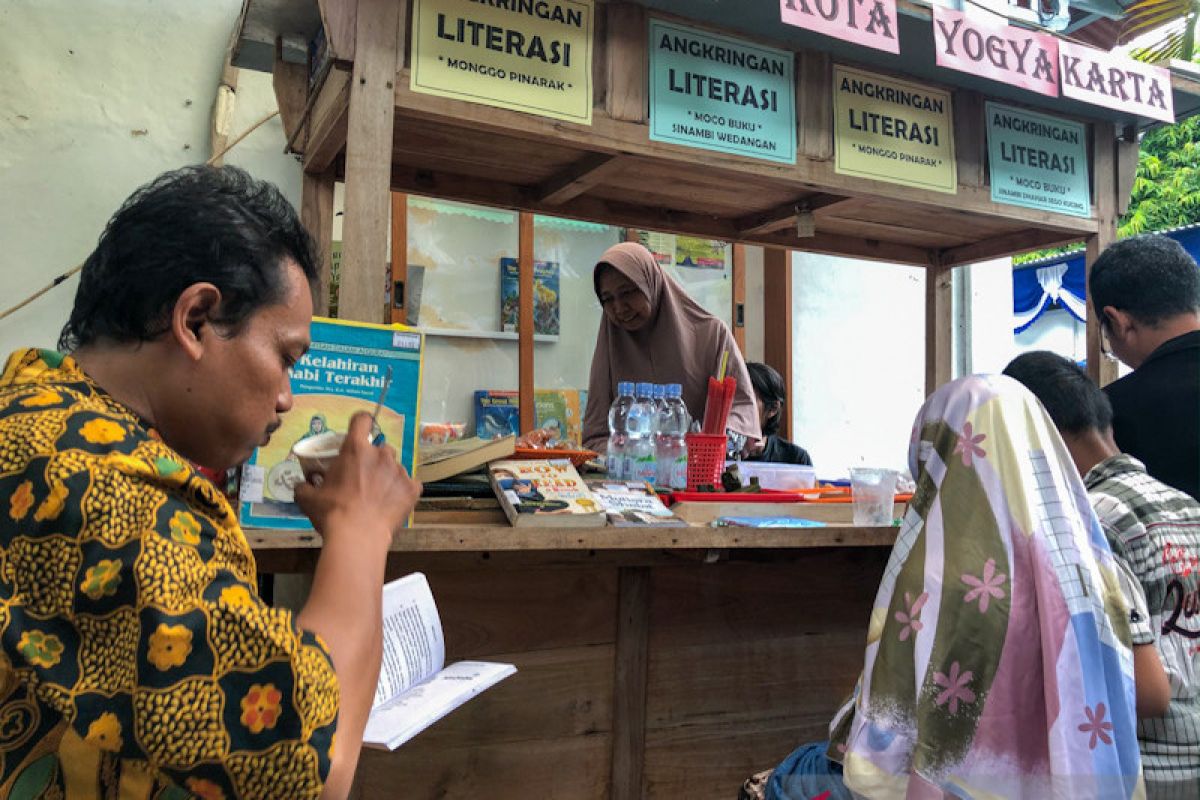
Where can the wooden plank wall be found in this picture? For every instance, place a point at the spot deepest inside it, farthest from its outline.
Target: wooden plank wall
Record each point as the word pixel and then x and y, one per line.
pixel 743 661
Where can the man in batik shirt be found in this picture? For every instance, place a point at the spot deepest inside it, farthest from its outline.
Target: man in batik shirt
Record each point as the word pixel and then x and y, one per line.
pixel 138 660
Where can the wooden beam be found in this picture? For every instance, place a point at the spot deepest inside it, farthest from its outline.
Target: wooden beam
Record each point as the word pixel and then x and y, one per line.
pixel 1007 245
pixel 340 19
pixel 614 136
pixel 777 323
pixel 224 104
pixel 849 246
pixel 626 98
pixel 398 313
pixel 328 122
pixel 784 216
pixel 577 178
pixel 1102 369
pixel 814 102
pixel 970 143
pixel 368 158
pixel 939 325
pixel 316 212
pixel 631 669
pixel 525 330
pixel 290 82
pixel 1127 163
pixel 738 312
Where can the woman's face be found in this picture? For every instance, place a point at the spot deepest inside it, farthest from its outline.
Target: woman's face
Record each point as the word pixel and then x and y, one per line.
pixel 622 301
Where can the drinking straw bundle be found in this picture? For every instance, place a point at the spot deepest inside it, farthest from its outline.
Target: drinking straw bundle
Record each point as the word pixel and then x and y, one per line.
pixel 719 403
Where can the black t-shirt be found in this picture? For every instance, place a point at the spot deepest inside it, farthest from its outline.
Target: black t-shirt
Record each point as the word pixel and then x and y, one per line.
pixel 1156 413
pixel 781 451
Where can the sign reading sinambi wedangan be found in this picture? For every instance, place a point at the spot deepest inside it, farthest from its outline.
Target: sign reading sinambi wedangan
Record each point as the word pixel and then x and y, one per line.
pixel 893 130
pixel 526 55
pixel 1037 161
pixel 721 94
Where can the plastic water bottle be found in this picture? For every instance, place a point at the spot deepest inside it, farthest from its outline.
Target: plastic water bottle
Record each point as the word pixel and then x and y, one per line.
pixel 673 423
pixel 618 431
pixel 640 459
pixel 658 393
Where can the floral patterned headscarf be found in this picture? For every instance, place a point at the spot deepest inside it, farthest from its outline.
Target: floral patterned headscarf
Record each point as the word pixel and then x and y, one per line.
pixel 998 661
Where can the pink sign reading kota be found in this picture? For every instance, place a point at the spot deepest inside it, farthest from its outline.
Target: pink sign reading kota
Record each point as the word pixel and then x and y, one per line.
pixel 871 23
pixel 1112 81
pixel 1001 52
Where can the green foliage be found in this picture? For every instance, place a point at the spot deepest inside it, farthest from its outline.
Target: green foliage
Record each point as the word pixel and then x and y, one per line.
pixel 1166 188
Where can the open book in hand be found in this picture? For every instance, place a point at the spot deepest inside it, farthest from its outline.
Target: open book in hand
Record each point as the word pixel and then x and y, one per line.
pixel 415 688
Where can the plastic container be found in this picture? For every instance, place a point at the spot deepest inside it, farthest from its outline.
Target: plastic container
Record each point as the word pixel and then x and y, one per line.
pixel 874 493
pixel 706 459
pixel 641 463
pixel 618 431
pixel 782 477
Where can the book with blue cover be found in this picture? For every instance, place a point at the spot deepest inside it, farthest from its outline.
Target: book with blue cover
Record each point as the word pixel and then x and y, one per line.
pixel 341 374
pixel 545 296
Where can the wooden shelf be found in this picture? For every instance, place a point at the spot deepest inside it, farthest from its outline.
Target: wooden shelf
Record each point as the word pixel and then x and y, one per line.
pixel 504 336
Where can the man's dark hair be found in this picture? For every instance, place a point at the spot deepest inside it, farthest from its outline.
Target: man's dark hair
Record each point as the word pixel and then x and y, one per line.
pixel 197 224
pixel 769 386
pixel 1074 402
pixel 1151 277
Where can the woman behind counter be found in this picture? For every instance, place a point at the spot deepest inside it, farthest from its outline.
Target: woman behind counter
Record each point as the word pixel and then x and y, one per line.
pixel 652 331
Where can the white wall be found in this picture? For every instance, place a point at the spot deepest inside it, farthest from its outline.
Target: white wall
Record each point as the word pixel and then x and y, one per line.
pixel 97 99
pixel 990 341
pixel 858 360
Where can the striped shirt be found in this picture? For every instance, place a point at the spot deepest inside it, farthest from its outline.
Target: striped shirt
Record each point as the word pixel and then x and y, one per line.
pixel 1154 531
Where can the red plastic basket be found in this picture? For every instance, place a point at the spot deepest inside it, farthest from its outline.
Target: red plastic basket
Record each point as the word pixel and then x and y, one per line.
pixel 706 459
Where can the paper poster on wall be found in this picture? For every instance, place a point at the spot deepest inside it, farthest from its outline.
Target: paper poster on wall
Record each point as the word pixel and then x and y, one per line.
pixel 696 253
pixel 1004 53
pixel 722 94
pixel 1037 161
pixel 545 296
pixel 660 245
pixel 871 23
pixel 1115 81
pixel 893 130
pixel 534 57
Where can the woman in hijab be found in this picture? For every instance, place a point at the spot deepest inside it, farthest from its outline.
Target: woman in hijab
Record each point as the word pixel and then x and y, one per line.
pixel 998 660
pixel 652 331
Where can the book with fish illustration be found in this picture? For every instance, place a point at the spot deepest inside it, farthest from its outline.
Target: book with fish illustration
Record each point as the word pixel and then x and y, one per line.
pixel 545 296
pixel 557 411
pixel 342 374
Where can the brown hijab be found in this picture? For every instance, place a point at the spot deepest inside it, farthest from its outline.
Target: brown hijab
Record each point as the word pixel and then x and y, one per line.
pixel 682 343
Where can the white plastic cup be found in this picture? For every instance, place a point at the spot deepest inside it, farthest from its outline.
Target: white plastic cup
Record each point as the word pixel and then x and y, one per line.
pixel 316 453
pixel 874 495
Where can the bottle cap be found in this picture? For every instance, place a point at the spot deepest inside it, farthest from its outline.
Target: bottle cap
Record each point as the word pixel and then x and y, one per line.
pixel 645 389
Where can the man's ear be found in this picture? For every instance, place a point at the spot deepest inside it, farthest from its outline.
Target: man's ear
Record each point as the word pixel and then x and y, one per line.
pixel 191 317
pixel 1119 322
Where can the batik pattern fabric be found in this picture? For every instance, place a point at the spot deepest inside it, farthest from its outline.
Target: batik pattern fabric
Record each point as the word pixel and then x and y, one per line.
pixel 138 660
pixel 998 660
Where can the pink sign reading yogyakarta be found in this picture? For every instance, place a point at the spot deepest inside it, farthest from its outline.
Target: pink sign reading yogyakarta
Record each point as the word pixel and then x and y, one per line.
pixel 1113 81
pixel 994 50
pixel 871 23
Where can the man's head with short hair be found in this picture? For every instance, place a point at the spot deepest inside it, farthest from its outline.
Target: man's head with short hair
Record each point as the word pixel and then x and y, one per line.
pixel 1074 402
pixel 1144 290
pixel 193 308
pixel 771 392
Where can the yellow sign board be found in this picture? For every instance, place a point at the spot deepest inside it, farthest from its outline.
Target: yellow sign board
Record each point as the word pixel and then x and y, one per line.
pixel 526 55
pixel 893 130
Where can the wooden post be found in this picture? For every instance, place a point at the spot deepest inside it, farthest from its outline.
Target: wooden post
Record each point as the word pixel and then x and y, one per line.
pixel 814 100
pixel 738 312
pixel 970 143
pixel 629 684
pixel 525 284
pixel 938 325
pixel 1103 370
pixel 777 323
pixel 369 161
pixel 626 97
pixel 316 212
pixel 398 313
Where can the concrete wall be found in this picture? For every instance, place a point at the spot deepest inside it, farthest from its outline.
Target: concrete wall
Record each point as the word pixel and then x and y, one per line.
pixel 98 98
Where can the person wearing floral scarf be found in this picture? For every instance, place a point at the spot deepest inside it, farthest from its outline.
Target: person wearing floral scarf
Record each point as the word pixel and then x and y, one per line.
pixel 998 660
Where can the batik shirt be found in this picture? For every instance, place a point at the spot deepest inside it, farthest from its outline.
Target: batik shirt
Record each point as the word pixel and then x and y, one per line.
pixel 138 660
pixel 1154 531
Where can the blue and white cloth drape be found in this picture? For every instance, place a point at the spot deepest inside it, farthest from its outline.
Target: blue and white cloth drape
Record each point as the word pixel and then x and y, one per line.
pixel 1036 289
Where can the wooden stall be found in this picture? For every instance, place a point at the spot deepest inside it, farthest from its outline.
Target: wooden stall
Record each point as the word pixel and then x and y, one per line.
pixel 664 664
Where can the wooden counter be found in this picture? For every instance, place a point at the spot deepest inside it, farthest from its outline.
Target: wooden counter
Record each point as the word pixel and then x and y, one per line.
pixel 652 663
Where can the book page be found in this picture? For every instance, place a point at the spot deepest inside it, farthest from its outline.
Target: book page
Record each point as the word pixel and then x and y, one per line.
pixel 413 646
pixel 404 717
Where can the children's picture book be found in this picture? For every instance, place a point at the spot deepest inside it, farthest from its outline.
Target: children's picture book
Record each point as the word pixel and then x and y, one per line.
pixel 560 411
pixel 544 492
pixel 342 374
pixel 416 688
pixel 545 296
pixel 633 504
